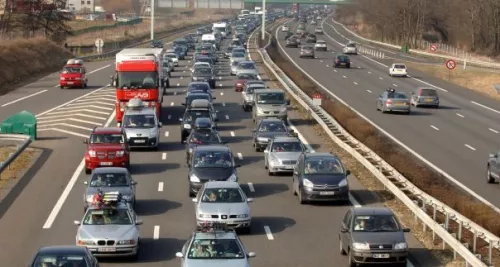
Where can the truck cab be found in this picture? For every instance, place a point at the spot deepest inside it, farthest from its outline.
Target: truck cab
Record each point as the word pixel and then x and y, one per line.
pixel 141 125
pixel 106 147
pixel 73 75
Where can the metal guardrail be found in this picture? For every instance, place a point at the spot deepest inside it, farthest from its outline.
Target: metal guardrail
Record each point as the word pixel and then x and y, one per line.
pixel 26 141
pixel 415 199
pixel 477 63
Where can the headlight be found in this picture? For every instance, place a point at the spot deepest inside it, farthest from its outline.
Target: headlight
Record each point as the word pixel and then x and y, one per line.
pixel 400 245
pixel 361 246
pixel 120 153
pixel 275 160
pixel 232 178
pixel 283 109
pixel 195 78
pixel 194 178
pixel 307 183
pixel 263 139
pixel 92 153
pixel 187 126
pixel 89 198
pixel 242 216
pixel 205 216
pixel 126 242
pixel 86 242
pixel 127 197
pixel 343 182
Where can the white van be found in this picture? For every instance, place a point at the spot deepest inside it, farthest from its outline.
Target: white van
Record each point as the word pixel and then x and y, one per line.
pixel 209 38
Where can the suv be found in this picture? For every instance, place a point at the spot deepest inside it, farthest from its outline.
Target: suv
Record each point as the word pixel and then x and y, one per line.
pixel 218 237
pixel 141 125
pixel 373 235
pixel 106 147
pixel 426 97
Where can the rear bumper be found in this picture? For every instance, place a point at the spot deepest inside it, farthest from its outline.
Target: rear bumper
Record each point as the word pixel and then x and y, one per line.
pixel 93 163
pixel 368 257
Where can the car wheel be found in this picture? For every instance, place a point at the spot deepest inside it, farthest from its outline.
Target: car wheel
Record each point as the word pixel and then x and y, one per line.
pixel 408 113
pixel 489 178
pixel 270 173
pixel 301 197
pixel 351 262
pixel 88 171
pixel 341 249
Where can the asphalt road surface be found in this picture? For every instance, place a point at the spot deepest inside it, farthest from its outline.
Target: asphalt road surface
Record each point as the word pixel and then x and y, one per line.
pixel 457 137
pixel 284 233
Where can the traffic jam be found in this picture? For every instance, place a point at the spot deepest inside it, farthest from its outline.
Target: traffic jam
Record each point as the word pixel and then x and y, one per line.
pixel 110 226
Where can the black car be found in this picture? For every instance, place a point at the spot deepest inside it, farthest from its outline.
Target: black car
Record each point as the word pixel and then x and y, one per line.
pixel 320 177
pixel 211 163
pixel 156 44
pixel 181 52
pixel 64 256
pixel 204 75
pixel 199 109
pixel 202 134
pixel 342 60
pixel 196 95
pixel 199 87
pixel 293 41
pixel 269 128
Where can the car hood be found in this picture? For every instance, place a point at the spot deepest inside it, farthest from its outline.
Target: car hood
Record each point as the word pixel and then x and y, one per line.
pixel 286 155
pixel 217 263
pixel 106 147
pixel 248 97
pixel 113 232
pixel 322 179
pixel 378 237
pixel 224 208
pixel 124 191
pixel 213 174
pixel 139 132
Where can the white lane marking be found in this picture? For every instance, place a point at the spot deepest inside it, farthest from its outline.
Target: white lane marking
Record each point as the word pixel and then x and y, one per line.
pixel 156 232
pixel 160 187
pixel 65 124
pixel 223 104
pixel 40 122
pixel 368 91
pixel 183 71
pixel 434 127
pixel 57 207
pixel 355 83
pixel 269 234
pixel 221 93
pixel 493 130
pixel 78 111
pixel 171 103
pixel 369 72
pixel 335 70
pixel 426 83
pixel 22 98
pixel 65 131
pixel 164 155
pixel 167 134
pixel 343 76
pixel 395 85
pixel 380 78
pixel 329 66
pixel 240 156
pixel 470 147
pixel 486 107
pixel 304 141
pixel 227 117
pixel 169 117
pixel 232 133
pixel 182 77
pixel 460 115
pixel 178 84
pixel 321 61
pixel 175 93
pixel 250 187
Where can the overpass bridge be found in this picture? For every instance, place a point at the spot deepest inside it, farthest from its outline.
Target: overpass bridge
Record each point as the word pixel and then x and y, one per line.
pixel 239 4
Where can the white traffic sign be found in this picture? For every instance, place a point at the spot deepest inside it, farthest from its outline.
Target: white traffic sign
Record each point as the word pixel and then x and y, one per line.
pixel 433 47
pixel 99 43
pixel 451 64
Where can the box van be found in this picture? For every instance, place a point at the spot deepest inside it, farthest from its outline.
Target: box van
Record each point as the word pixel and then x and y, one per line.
pixel 269 103
pixel 209 38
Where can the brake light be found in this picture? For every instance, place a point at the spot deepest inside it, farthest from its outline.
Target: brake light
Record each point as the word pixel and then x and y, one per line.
pixel 388 102
pixel 92 153
pixel 239 84
pixel 62 78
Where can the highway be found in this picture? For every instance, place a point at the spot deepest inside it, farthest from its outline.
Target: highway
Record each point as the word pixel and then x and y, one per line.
pixel 457 137
pixel 284 233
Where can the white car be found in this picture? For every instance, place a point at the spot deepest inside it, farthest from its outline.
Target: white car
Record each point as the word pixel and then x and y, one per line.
pixel 320 45
pixel 200 65
pixel 350 48
pixel 285 28
pixel 398 69
pixel 174 58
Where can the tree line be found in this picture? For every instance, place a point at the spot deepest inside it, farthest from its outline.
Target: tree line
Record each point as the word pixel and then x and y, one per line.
pixel 470 25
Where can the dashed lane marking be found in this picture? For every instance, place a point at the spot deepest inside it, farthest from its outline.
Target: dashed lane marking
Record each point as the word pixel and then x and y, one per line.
pixel 395 85
pixel 171 103
pixel 251 188
pixel 368 91
pixel 232 134
pixel 240 156
pixel 355 83
pixel 269 234
pixel 156 232
pixel 160 187
pixel 460 115
pixel 434 127
pixel 343 76
pixel 22 98
pixel 227 117
pixel 164 155
pixel 87 106
pixel 470 147
pixel 493 130
pixel 167 134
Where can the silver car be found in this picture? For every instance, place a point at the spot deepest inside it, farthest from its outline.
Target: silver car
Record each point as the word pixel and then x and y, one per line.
pixel 282 153
pixel 109 228
pixel 425 97
pixel 234 67
pixel 174 58
pixel 237 57
pixel 141 125
pixel 247 67
pixel 223 202
pixel 247 94
pixel 350 48
pixel 110 179
pixel 391 101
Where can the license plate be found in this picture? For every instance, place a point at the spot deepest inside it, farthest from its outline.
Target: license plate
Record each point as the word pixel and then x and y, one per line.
pixel 106 163
pixel 381 256
pixel 327 193
pixel 106 249
pixel 342 63
pixel 139 141
pixel 428 100
pixel 69 82
pixel 400 104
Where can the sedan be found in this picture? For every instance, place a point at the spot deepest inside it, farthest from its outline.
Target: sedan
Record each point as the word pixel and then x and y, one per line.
pixel 241 79
pixel 307 51
pixel 320 177
pixel 199 137
pixel 391 101
pixel 64 255
pixel 223 202
pixel 320 45
pixel 282 154
pixel 318 31
pixel 292 41
pixel 350 48
pixel 247 67
pixel 174 58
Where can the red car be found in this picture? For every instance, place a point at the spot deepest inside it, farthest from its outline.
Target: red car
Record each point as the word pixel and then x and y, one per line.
pixel 73 75
pixel 106 147
pixel 241 80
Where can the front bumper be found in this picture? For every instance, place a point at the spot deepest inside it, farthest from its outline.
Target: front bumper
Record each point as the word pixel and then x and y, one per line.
pixel 369 256
pixel 337 194
pixel 93 163
pixel 280 168
pixel 75 83
pixel 306 55
pixel 116 251
pixel 234 223
pixel 143 142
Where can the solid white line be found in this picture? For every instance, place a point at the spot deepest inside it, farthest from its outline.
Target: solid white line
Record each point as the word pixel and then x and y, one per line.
pixel 67 116
pixel 240 156
pixel 434 127
pixel 227 117
pixel 232 133
pixel 437 87
pixel 178 84
pixel 486 107
pixel 84 104
pixel 355 83
pixel 164 156
pixel 329 66
pixel 166 134
pixel 156 232
pixel 175 93
pixel 334 70
pixel 220 84
pixel 368 91
pixel 460 115
pixel 268 232
pixel 221 93
pixel 96 70
pixel 472 148
pixel 22 98
pixel 250 187
pixel 343 76
pixel 78 110
pixel 160 187
pixel 493 130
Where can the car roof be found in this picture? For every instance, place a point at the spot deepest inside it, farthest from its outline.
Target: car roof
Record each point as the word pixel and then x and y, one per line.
pixel 215 147
pixel 246 61
pixel 372 211
pixel 271 120
pixel 219 184
pixel 269 91
pixel 110 169
pixel 107 130
pixel 63 249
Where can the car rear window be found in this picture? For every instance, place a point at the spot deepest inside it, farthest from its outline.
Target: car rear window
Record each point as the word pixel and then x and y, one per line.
pixel 399 96
pixel 399 66
pixel 246 66
pixel 238 55
pixel 428 92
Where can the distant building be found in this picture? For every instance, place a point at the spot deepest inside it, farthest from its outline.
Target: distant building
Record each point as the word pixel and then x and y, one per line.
pixel 81 5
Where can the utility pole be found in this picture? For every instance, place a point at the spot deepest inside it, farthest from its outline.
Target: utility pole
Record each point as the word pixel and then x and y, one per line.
pixel 263 30
pixel 152 8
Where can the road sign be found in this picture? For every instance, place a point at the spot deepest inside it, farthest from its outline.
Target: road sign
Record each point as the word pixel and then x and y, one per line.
pixel 433 47
pixel 99 43
pixel 317 99
pixel 451 64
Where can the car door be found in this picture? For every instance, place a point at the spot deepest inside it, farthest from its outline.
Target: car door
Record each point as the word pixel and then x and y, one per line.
pixel 346 225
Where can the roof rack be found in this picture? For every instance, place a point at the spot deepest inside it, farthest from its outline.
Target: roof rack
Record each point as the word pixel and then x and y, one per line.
pixel 213 227
pixel 100 199
pixel 74 61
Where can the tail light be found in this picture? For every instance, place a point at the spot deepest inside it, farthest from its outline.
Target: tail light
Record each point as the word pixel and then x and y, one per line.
pixel 239 84
pixel 92 153
pixel 78 78
pixel 120 153
pixel 388 102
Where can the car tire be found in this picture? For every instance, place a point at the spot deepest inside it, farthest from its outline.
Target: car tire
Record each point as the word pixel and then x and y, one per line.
pixel 408 113
pixel 88 171
pixel 301 199
pixel 341 249
pixel 349 256
pixel 270 173
pixel 490 179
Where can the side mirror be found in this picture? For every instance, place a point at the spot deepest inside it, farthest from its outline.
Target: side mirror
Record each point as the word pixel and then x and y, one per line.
pixel 85 141
pixel 85 182
pixel 406 230
pixel 493 155
pixel 249 200
pixel 347 172
pixel 251 255
pixel 179 255
pixel 266 151
pixel 295 173
pixel 160 124
pixel 214 98
pixel 76 222
pixel 138 222
pixel 344 230
pixel 133 182
pixel 195 200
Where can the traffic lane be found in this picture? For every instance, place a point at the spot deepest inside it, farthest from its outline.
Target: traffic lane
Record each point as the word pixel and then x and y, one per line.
pixel 413 131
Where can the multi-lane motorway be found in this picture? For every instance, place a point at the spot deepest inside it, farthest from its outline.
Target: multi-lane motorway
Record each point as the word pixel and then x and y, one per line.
pixel 457 137
pixel 284 233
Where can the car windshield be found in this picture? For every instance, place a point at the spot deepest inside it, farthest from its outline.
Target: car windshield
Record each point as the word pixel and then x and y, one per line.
pixel 198 87
pixel 222 195
pixel 396 95
pixel 139 121
pixel 323 166
pixel 137 79
pixel 399 66
pixel 272 127
pixel 212 159
pixel 270 98
pixel 307 48
pixel 375 223
pixel 107 139
pixel 109 180
pixel 246 66
pixel 428 92
pixel 209 249
pixel 72 70
pixel 237 55
pixel 107 216
pixel 286 147
pixel 203 71
pixel 204 137
pixel 235 64
pixel 343 58
pixel 59 259
pixel 192 115
pixel 197 96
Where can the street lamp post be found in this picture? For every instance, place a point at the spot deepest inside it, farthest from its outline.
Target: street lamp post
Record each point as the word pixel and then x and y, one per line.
pixel 152 9
pixel 263 30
